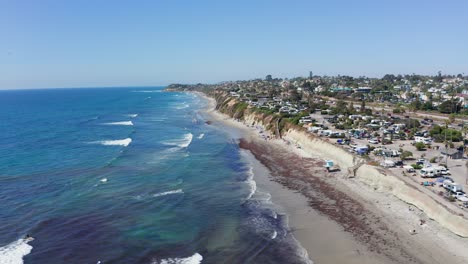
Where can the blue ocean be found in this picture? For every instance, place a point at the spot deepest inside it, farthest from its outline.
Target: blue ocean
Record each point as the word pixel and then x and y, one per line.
pixel 128 175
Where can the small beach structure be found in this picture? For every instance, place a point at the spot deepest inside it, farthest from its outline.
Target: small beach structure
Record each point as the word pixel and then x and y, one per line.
pixel 328 164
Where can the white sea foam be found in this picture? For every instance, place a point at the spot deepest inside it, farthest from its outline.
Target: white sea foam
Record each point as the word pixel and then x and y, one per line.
pixel 274 214
pixel 121 123
pixel 181 143
pixel 132 115
pixel 147 91
pixel 14 252
pixel 201 136
pixel 274 235
pixel 121 142
pixel 103 180
pixel 168 193
pixel 250 181
pixel 187 140
pixel 194 259
pixel 181 106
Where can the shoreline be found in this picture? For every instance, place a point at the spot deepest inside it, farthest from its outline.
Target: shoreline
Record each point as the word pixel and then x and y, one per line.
pixel 324 237
pixel 323 240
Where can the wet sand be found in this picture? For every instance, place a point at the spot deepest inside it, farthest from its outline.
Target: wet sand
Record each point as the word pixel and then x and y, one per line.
pixel 331 220
pixel 325 241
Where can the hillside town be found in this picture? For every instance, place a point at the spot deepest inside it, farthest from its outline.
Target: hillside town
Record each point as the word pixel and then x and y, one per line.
pixel 414 125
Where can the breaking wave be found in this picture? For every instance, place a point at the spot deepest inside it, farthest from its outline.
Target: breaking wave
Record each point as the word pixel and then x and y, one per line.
pixel 168 193
pixel 274 235
pixel 181 143
pixel 181 106
pixel 201 136
pixel 250 181
pixel 194 259
pixel 147 91
pixel 121 142
pixel 132 115
pixel 13 253
pixel 122 123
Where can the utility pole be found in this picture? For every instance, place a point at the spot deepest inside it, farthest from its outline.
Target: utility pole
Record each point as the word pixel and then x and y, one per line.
pixel 463 153
pixel 383 134
pixel 446 145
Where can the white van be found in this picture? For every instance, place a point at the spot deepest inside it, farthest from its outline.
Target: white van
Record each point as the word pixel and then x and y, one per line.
pixel 447 184
pixel 408 168
pixel 429 172
pixel 388 164
pixel 314 129
pixel 424 140
pixel 324 133
pixel 427 141
pixel 443 170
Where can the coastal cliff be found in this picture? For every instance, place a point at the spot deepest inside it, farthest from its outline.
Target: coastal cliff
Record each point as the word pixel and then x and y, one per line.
pixel 374 177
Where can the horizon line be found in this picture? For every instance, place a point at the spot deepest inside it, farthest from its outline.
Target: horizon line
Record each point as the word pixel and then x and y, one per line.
pixel 84 87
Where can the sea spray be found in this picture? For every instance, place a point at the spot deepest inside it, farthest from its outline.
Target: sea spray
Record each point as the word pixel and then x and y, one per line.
pixel 168 193
pixel 121 123
pixel 181 142
pixel 194 259
pixel 14 252
pixel 119 142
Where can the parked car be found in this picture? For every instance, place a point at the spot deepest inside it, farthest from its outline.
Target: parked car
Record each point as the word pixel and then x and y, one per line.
pixel 458 194
pixel 448 178
pixel 420 161
pixel 373 141
pixel 443 170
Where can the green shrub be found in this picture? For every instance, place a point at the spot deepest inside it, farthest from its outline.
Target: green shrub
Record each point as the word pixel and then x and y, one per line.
pixel 420 146
pixel 406 154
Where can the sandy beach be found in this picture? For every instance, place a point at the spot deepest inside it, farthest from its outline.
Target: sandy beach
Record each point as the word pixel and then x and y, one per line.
pixel 335 218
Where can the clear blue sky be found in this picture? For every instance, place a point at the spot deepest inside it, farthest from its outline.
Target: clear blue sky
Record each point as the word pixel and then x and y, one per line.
pixel 116 43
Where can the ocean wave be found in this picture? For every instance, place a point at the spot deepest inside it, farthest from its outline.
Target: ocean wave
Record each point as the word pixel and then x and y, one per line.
pixel 181 143
pixel 181 106
pixel 13 253
pixel 121 123
pixel 132 115
pixel 157 119
pixel 194 259
pixel 121 142
pixel 274 235
pixel 147 91
pixel 250 181
pixel 89 120
pixel 168 193
pixel 201 136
